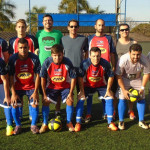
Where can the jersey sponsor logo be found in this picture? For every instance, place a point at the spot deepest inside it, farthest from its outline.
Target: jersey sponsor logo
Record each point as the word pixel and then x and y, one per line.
pixel 95 79
pixel 58 79
pixel 103 50
pixel 94 73
pixel 100 42
pixel 58 72
pixel 24 75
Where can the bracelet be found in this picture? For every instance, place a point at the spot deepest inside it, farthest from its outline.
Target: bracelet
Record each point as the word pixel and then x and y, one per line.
pixel 142 87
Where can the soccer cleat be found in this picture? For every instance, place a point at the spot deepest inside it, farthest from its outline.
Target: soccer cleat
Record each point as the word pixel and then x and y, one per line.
pixel 88 118
pixel 34 129
pixel 70 127
pixel 121 125
pixel 143 125
pixel 17 130
pixel 77 127
pixel 131 115
pixel 9 131
pixel 112 126
pixel 43 128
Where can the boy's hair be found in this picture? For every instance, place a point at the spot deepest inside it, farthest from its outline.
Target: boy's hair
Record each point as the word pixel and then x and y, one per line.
pixel 21 21
pixel 135 47
pixel 73 20
pixel 22 41
pixel 57 48
pixel 95 49
pixel 47 15
pixel 124 24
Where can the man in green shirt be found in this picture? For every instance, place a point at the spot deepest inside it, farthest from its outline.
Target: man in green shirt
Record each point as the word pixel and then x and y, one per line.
pixel 47 38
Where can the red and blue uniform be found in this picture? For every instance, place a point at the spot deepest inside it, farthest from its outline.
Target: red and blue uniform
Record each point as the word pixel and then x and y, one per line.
pixel 23 71
pixel 95 80
pixel 32 43
pixel 105 43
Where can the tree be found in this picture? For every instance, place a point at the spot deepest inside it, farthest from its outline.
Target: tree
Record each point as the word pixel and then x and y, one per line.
pixel 34 16
pixel 6 13
pixel 70 6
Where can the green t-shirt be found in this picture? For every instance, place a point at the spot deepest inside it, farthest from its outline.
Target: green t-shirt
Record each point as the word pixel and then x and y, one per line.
pixel 46 40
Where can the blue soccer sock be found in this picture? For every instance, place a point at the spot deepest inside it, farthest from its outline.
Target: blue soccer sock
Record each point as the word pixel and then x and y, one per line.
pixel 109 110
pixel 104 109
pixel 141 109
pixel 35 113
pixel 15 114
pixel 121 109
pixel 89 104
pixel 79 110
pixel 20 111
pixel 8 116
pixel 45 113
pixel 69 112
pixel 30 110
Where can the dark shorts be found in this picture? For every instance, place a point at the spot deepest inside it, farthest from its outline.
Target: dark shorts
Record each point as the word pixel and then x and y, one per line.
pixel 53 95
pixel 114 87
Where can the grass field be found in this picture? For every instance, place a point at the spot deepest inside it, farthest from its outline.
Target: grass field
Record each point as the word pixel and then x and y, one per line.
pixel 94 136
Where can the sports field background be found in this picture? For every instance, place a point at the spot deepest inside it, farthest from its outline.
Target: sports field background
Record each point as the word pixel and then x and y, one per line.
pixel 94 136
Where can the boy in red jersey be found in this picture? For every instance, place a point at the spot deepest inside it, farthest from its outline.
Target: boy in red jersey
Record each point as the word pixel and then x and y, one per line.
pixel 60 75
pixel 22 68
pixel 95 75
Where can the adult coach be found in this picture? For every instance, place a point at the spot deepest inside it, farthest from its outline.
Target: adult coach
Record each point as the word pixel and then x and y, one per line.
pixel 92 76
pixel 122 47
pixel 129 72
pixel 22 68
pixel 108 51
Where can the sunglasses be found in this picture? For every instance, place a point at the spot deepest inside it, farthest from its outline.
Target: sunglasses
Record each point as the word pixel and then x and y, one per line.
pixel 127 29
pixel 73 26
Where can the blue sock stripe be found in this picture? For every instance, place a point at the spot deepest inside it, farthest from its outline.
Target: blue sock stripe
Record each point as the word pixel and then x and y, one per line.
pixel 121 109
pixel 8 115
pixel 69 112
pixel 15 114
pixel 141 109
pixel 45 113
pixel 34 115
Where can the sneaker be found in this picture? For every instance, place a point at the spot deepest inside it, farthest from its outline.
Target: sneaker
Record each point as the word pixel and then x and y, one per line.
pixel 34 129
pixel 143 125
pixel 105 117
pixel 17 130
pixel 131 115
pixel 43 128
pixel 121 125
pixel 88 118
pixel 9 131
pixel 70 127
pixel 77 127
pixel 112 126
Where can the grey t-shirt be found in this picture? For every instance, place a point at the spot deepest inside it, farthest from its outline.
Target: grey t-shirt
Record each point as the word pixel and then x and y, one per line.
pixel 123 48
pixel 74 48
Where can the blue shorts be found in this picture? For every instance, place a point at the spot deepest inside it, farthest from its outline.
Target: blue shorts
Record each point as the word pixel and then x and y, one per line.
pixel 90 91
pixel 28 93
pixel 53 95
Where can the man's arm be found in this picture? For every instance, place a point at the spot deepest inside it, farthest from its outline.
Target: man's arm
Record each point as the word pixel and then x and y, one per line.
pixel 6 89
pixel 121 84
pixel 35 94
pixel 43 85
pixel 6 56
pixel 112 57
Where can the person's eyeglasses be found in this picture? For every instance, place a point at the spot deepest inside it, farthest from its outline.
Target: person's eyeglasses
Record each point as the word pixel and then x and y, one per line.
pixel 73 26
pixel 127 29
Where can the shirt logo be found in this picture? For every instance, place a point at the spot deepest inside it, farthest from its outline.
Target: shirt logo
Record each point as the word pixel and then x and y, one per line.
pixel 24 75
pixel 95 79
pixel 58 79
pixel 103 50
pixel 58 72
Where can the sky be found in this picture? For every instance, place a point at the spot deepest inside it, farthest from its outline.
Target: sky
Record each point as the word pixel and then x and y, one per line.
pixel 138 10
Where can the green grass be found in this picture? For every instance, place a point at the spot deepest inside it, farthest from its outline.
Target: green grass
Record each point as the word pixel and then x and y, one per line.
pixel 94 136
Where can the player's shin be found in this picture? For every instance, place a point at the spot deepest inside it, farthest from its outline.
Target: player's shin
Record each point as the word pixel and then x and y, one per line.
pixel 69 112
pixel 79 110
pixel 34 115
pixel 121 109
pixel 15 114
pixel 8 115
pixel 141 109
pixel 45 113
pixel 89 104
pixel 109 109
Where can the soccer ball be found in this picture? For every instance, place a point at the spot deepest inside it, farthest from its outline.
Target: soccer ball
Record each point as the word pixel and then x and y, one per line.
pixel 134 95
pixel 55 124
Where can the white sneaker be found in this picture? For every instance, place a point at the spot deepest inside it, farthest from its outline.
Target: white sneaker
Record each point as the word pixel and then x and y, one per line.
pixel 143 125
pixel 121 125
